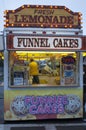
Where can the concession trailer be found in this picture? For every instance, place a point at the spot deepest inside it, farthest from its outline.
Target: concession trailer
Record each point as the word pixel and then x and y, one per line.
pixel 52 36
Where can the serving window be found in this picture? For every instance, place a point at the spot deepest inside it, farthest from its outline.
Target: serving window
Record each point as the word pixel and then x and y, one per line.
pixel 55 68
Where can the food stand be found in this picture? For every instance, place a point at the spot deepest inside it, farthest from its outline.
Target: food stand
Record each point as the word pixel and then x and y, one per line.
pixel 59 94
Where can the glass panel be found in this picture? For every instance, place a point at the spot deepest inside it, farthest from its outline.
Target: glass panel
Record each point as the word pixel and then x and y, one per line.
pixel 54 68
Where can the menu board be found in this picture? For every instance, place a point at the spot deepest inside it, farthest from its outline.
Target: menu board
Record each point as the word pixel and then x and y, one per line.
pixel 18 78
pixel 68 70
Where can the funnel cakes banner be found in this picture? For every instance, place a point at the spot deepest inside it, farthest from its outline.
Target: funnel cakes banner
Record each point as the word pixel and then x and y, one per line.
pixel 21 42
pixel 23 105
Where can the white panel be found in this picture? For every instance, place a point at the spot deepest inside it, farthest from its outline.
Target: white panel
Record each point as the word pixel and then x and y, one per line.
pixel 1 42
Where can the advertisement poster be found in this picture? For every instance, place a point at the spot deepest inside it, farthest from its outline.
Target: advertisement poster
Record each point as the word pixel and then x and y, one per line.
pixel 69 70
pixel 43 104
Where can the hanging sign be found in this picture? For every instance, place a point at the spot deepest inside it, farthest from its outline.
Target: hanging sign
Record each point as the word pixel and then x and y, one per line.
pixel 43 16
